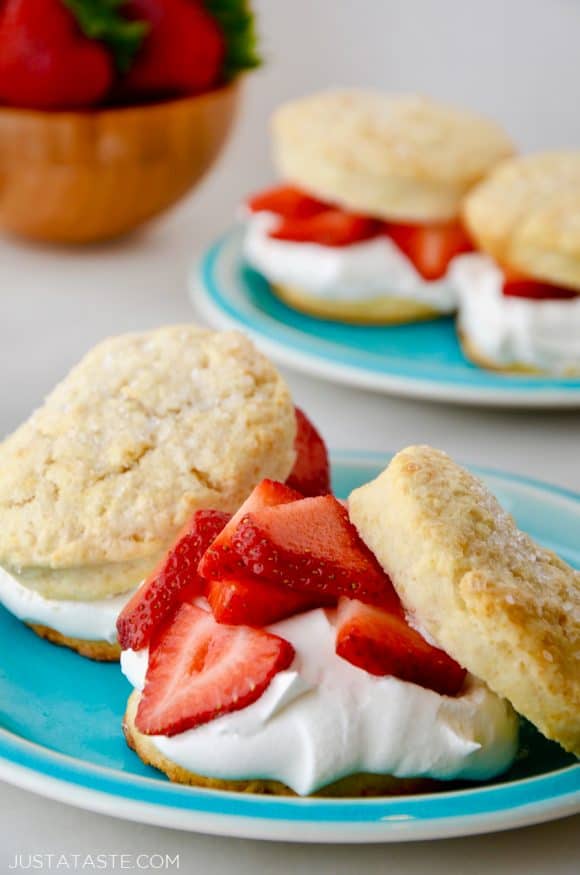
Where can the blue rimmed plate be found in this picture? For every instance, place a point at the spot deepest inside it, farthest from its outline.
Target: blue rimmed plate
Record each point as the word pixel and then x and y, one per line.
pixel 60 735
pixel 423 360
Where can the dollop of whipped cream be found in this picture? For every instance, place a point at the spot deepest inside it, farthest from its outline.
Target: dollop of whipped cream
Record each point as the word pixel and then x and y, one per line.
pixel 88 620
pixel 323 718
pixel 373 268
pixel 509 330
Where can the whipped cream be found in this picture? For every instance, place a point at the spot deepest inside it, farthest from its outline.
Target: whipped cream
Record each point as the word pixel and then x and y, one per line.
pixel 509 330
pixel 373 268
pixel 88 620
pixel 323 718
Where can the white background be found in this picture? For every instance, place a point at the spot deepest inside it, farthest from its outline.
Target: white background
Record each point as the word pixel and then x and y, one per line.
pixel 517 61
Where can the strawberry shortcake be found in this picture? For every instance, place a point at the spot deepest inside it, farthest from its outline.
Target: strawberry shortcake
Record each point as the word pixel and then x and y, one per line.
pixel 367 222
pixel 95 486
pixel 307 646
pixel 520 295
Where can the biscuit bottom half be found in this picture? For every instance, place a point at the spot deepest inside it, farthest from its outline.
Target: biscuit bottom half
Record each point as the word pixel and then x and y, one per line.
pixel 381 310
pixel 362 784
pixel 471 351
pixel 100 651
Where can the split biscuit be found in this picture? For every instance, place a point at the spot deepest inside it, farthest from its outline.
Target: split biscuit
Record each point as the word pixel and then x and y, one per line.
pixel 144 431
pixel 382 310
pixel 359 785
pixel 148 428
pixel 526 215
pixel 397 157
pixel 99 651
pixel 505 608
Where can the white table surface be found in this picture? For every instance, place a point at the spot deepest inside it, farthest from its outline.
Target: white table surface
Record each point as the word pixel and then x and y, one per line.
pixel 54 304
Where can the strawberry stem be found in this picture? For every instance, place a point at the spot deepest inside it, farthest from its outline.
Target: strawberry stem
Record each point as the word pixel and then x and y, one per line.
pixel 237 22
pixel 103 20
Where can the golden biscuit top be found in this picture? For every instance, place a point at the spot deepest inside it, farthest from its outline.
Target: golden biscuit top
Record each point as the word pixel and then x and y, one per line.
pixel 526 214
pixel 350 142
pixel 503 606
pixel 146 429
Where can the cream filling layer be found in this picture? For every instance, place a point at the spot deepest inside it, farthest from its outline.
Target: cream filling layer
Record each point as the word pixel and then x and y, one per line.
pixel 87 620
pixel 508 330
pixel 374 268
pixel 323 719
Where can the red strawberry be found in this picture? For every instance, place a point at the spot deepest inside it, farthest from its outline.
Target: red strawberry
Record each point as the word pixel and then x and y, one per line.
pixel 214 564
pixel 46 62
pixel 330 228
pixel 382 643
pixel 520 287
pixel 430 247
pixel 182 53
pixel 307 545
pixel 286 201
pixel 311 472
pixel 199 670
pixel 258 604
pixel 174 581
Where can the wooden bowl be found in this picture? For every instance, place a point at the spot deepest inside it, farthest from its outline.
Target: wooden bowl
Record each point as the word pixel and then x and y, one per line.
pixel 79 177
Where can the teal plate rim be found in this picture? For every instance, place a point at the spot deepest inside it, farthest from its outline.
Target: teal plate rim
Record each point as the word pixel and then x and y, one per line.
pixel 221 285
pixel 457 812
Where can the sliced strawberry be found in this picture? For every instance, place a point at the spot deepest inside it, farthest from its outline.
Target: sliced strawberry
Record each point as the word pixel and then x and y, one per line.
pixel 200 669
pixel 430 247
pixel 331 228
pixel 174 581
pixel 309 546
pixel 286 201
pixel 258 604
pixel 311 472
pixel 382 643
pixel 215 562
pixel 535 290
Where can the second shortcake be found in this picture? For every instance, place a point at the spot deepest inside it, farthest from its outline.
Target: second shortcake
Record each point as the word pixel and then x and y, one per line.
pixel 367 222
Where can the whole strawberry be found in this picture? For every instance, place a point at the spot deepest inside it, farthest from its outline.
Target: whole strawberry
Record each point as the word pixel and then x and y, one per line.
pixel 46 62
pixel 182 53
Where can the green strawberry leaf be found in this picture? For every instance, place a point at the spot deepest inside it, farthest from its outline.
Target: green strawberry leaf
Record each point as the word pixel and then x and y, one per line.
pixel 237 23
pixel 103 20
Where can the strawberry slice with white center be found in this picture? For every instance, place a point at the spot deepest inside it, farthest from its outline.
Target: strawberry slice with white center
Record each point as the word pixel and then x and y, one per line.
pixel 174 581
pixel 430 247
pixel 242 598
pixel 216 562
pixel 200 669
pixel 309 546
pixel 311 472
pixel 382 643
